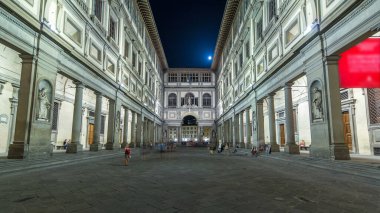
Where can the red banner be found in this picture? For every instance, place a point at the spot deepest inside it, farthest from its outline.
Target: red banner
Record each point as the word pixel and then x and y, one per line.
pixel 359 67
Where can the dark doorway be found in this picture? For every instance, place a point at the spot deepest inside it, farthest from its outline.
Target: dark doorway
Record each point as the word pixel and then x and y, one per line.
pixel 189 121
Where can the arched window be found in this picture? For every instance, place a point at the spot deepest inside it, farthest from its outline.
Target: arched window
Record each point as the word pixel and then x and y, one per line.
pixel 172 100
pixel 206 100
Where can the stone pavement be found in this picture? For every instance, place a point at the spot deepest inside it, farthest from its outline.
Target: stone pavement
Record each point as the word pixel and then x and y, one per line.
pixel 190 180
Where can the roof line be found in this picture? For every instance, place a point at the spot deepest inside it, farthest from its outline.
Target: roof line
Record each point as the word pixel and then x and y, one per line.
pixel 225 26
pixel 150 24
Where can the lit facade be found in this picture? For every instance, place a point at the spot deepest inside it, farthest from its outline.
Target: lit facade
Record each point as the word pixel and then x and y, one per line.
pixel 92 74
pixel 278 82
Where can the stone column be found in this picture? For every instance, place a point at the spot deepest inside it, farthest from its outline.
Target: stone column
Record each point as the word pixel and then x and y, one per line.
pixel 133 129
pixel 77 120
pixel 291 146
pixel 272 123
pixel 14 104
pixel 97 122
pixel 111 124
pixel 125 128
pixel 138 130
pixel 233 129
pixel 24 111
pixel 241 129
pixel 260 123
pixel 247 129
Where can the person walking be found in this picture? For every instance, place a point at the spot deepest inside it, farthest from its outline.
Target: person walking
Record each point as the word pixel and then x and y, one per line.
pixel 127 154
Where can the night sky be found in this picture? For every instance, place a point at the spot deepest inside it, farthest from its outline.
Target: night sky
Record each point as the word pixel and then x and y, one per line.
pixel 188 30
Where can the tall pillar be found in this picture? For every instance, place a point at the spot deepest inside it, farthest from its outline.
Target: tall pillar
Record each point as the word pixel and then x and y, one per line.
pixel 234 133
pixel 241 129
pixel 291 146
pixel 233 136
pixel 125 128
pixel 14 104
pixel 77 120
pixel 260 123
pixel 97 122
pixel 24 111
pixel 272 124
pixel 111 124
pixel 247 128
pixel 138 130
pixel 133 129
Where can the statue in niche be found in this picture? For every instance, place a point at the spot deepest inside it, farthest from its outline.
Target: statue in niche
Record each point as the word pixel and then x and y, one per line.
pixel 317 103
pixel 44 104
pixel 189 101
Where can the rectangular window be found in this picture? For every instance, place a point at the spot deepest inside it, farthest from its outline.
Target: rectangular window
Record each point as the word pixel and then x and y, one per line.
pixel 273 53
pixel 241 60
pixel 134 60
pixel 72 31
pixel 95 52
pixel 133 87
pixel 260 67
pixel 172 77
pixel 292 31
pixel 98 5
pixel 236 68
pixel 140 68
pixel 259 29
pixel 247 49
pixel 110 66
pixel 126 49
pixel 112 29
pixel 146 78
pixel 271 9
pixel 126 80
pixel 184 77
pixel 374 105
pixel 207 77
pixel 54 125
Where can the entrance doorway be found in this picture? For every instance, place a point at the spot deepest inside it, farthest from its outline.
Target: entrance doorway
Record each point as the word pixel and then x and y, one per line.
pixel 189 131
pixel 347 129
pixel 282 134
pixel 90 134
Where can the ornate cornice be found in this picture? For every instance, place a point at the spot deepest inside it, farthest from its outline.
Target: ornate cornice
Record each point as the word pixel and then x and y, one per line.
pixel 228 17
pixel 150 24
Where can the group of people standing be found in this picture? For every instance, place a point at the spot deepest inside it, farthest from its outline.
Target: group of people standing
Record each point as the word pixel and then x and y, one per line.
pixel 255 151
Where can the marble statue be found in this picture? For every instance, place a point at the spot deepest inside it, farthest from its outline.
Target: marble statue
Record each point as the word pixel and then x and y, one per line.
pixel 317 103
pixel 44 104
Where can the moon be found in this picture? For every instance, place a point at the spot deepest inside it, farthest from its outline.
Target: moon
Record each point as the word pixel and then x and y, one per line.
pixel 209 58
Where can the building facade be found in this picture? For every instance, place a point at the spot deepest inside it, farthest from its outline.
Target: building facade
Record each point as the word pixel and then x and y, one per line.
pixel 79 75
pixel 278 82
pixel 189 107
pixel 92 74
